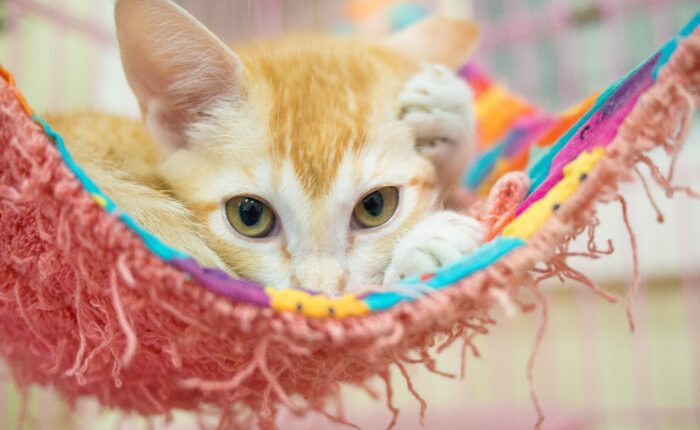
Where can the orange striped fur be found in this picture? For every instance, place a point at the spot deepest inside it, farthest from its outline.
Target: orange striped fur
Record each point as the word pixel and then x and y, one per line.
pixel 309 125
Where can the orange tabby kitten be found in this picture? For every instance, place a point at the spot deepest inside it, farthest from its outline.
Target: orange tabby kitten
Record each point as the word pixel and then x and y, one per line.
pixel 314 162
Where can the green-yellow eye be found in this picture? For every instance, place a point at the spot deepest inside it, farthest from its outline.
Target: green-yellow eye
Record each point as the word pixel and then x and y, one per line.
pixel 377 207
pixel 250 217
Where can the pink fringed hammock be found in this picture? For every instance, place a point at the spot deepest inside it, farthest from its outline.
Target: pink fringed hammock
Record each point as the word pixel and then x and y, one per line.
pixel 94 306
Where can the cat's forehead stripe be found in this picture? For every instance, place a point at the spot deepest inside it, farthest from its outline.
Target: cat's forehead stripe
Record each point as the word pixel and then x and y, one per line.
pixel 320 102
pixel 314 132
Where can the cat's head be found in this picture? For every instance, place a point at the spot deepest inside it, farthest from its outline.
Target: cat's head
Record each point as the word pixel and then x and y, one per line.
pixel 290 154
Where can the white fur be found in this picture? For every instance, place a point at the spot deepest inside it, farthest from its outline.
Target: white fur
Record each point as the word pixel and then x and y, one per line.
pixel 439 239
pixel 190 88
pixel 316 234
pixel 439 107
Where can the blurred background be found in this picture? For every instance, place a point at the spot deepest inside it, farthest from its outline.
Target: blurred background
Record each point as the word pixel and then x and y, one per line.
pixel 591 372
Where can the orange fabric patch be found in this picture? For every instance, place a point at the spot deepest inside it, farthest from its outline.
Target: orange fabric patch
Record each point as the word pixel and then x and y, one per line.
pixel 361 9
pixel 496 111
pixel 5 74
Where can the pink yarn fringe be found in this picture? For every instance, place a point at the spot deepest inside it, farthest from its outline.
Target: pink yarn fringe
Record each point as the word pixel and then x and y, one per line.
pixel 87 309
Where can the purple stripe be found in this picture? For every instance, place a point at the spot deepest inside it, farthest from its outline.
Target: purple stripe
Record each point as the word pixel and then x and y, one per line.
pixel 219 282
pixel 599 130
pixel 529 129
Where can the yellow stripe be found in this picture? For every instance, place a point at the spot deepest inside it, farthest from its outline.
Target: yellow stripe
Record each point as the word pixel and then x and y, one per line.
pixel 530 221
pixel 315 305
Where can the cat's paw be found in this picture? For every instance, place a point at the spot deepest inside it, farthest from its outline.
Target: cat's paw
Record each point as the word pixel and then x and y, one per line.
pixel 438 106
pixel 439 239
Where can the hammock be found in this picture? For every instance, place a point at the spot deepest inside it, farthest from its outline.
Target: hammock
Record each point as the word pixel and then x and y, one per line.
pixel 94 305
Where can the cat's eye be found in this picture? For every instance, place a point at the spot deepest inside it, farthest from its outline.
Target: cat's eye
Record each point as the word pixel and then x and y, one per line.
pixel 250 217
pixel 377 207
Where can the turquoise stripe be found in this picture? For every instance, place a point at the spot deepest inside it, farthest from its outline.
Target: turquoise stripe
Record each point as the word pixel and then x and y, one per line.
pixel 666 53
pixel 670 47
pixel 483 167
pixel 153 243
pixel 540 171
pixel 691 26
pixel 483 257
pixel 381 301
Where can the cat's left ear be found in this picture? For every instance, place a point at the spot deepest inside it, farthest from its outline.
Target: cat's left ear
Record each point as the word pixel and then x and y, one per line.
pixel 437 40
pixel 177 68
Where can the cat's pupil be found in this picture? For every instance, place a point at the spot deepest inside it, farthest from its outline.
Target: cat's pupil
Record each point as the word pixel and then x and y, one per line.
pixel 250 210
pixel 374 203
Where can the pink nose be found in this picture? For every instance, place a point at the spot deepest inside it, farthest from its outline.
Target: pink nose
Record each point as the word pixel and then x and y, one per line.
pixel 326 275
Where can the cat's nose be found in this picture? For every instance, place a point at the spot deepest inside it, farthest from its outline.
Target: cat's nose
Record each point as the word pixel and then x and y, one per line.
pixel 326 275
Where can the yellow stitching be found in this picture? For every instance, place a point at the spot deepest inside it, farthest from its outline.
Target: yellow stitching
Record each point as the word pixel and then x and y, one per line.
pixel 316 305
pixel 530 221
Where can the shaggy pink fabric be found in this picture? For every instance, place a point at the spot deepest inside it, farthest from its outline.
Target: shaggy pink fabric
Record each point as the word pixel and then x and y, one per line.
pixel 84 307
pixel 503 201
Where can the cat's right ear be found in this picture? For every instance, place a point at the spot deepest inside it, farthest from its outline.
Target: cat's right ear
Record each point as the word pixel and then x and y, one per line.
pixel 176 67
pixel 437 40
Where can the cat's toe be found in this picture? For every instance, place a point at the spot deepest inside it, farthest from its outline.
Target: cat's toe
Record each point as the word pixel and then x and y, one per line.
pixel 435 87
pixel 432 244
pixel 436 105
pixel 418 260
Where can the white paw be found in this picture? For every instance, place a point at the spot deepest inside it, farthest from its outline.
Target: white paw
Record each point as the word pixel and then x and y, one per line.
pixel 440 239
pixel 439 107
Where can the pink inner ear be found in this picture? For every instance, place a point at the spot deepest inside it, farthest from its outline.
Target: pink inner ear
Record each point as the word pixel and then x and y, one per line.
pixel 176 67
pixel 166 127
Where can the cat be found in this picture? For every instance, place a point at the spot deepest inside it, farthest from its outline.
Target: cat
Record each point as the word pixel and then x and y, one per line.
pixel 312 162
